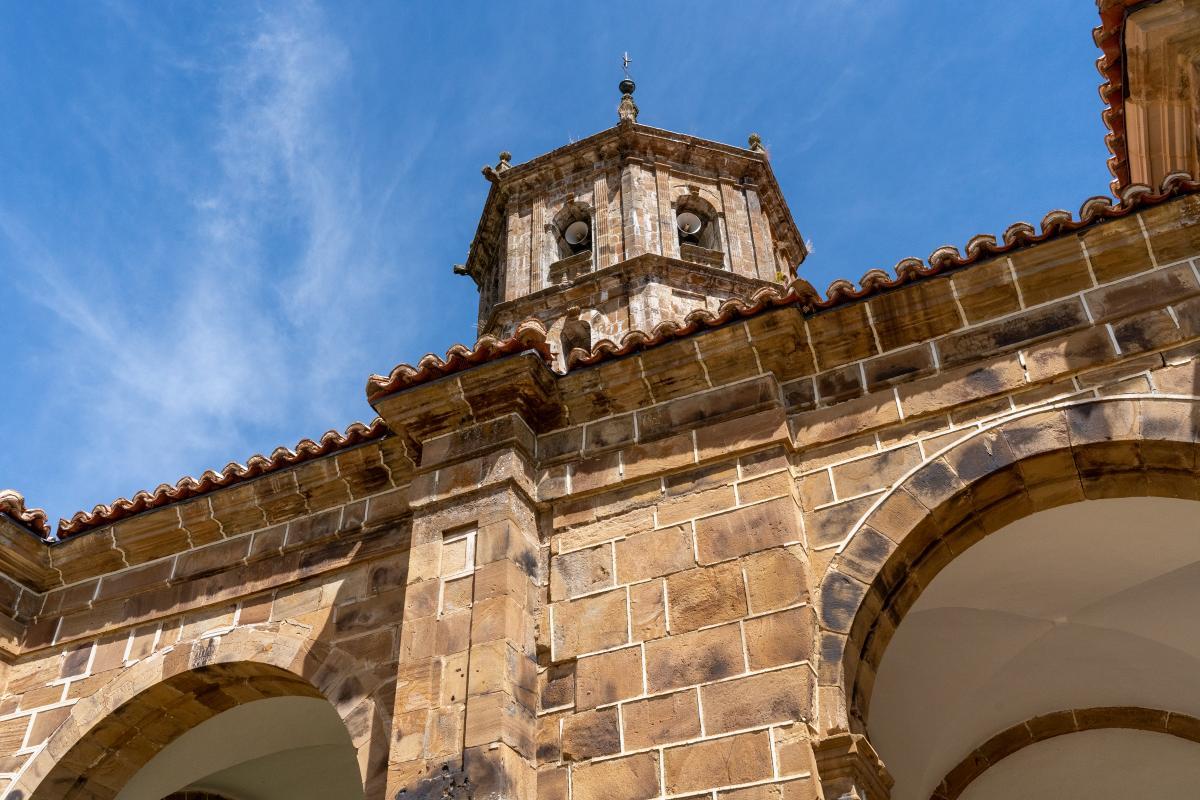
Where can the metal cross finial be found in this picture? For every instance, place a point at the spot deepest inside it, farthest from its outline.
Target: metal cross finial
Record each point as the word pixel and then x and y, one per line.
pixel 625 62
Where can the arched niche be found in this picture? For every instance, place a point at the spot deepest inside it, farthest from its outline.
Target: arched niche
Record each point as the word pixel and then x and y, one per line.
pixel 564 246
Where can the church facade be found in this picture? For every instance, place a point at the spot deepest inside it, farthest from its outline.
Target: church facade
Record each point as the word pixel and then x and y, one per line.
pixel 679 526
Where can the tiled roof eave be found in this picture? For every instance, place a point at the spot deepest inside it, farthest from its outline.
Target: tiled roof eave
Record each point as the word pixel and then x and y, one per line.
pixel 12 506
pixel 188 487
pixel 531 335
pixel 1109 36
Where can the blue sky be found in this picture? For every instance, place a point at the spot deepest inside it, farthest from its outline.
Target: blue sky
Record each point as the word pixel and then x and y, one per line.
pixel 217 219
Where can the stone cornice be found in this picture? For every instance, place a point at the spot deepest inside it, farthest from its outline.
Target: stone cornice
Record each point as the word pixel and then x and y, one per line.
pixel 674 271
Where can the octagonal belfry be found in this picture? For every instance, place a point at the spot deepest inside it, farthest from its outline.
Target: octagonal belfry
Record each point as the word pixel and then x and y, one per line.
pixel 625 229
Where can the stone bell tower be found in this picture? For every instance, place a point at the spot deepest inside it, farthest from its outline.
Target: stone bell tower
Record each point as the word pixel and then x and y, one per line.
pixel 626 229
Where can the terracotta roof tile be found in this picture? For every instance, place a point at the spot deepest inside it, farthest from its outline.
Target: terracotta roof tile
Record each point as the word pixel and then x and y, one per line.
pixel 1109 35
pixel 233 472
pixel 12 505
pixel 529 335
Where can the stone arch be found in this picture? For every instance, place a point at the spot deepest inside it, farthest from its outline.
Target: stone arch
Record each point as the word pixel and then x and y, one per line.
pixel 708 193
pixel 1132 446
pixel 1061 723
pixel 199 679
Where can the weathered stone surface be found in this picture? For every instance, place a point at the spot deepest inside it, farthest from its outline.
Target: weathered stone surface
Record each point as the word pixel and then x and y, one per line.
pixel 661 720
pixel 987 290
pixel 1051 270
pixel 921 312
pixel 631 778
pixel 691 658
pixel 608 677
pixel 652 554
pixel 705 596
pixel 776 578
pixel 782 696
pixel 718 762
pixel 784 637
pixel 588 734
pixel 1012 332
pixel 581 572
pixel 590 623
pixel 1152 290
pixel 747 530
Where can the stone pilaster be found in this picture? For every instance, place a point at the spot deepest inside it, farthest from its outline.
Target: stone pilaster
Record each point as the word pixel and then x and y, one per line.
pixel 668 239
pixel 539 240
pixel 633 213
pixel 739 250
pixel 760 233
pixel 606 246
pixel 464 722
pixel 466 682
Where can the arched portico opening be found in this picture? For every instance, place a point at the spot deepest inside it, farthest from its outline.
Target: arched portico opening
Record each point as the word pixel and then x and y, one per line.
pixel 223 729
pixel 1026 469
pixel 280 748
pixel 218 715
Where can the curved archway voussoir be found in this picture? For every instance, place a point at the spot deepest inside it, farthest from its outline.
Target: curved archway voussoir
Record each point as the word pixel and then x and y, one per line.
pixel 1060 723
pixel 180 687
pixel 1133 445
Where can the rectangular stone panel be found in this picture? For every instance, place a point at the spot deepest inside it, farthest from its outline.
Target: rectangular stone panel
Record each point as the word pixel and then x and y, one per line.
pixel 690 658
pixel 1011 332
pixel 916 313
pixel 1050 270
pixel 987 290
pixel 721 762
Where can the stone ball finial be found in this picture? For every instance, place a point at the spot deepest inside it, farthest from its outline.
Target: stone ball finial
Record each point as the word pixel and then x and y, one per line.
pixel 627 86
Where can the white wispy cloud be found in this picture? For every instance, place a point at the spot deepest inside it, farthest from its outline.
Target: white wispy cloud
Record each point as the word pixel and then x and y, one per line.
pixel 278 261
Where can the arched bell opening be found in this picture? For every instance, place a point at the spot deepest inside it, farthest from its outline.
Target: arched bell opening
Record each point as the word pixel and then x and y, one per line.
pixel 698 229
pixel 571 231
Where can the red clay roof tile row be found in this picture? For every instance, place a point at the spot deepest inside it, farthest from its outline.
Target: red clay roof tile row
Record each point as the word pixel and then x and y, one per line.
pixel 531 335
pixel 1108 36
pixel 12 505
pixel 233 472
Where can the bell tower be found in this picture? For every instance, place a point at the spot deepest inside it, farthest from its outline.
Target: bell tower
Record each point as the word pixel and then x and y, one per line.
pixel 626 229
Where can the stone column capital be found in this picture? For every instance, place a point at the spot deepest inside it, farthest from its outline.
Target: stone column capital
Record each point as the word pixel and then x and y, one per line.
pixel 850 769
